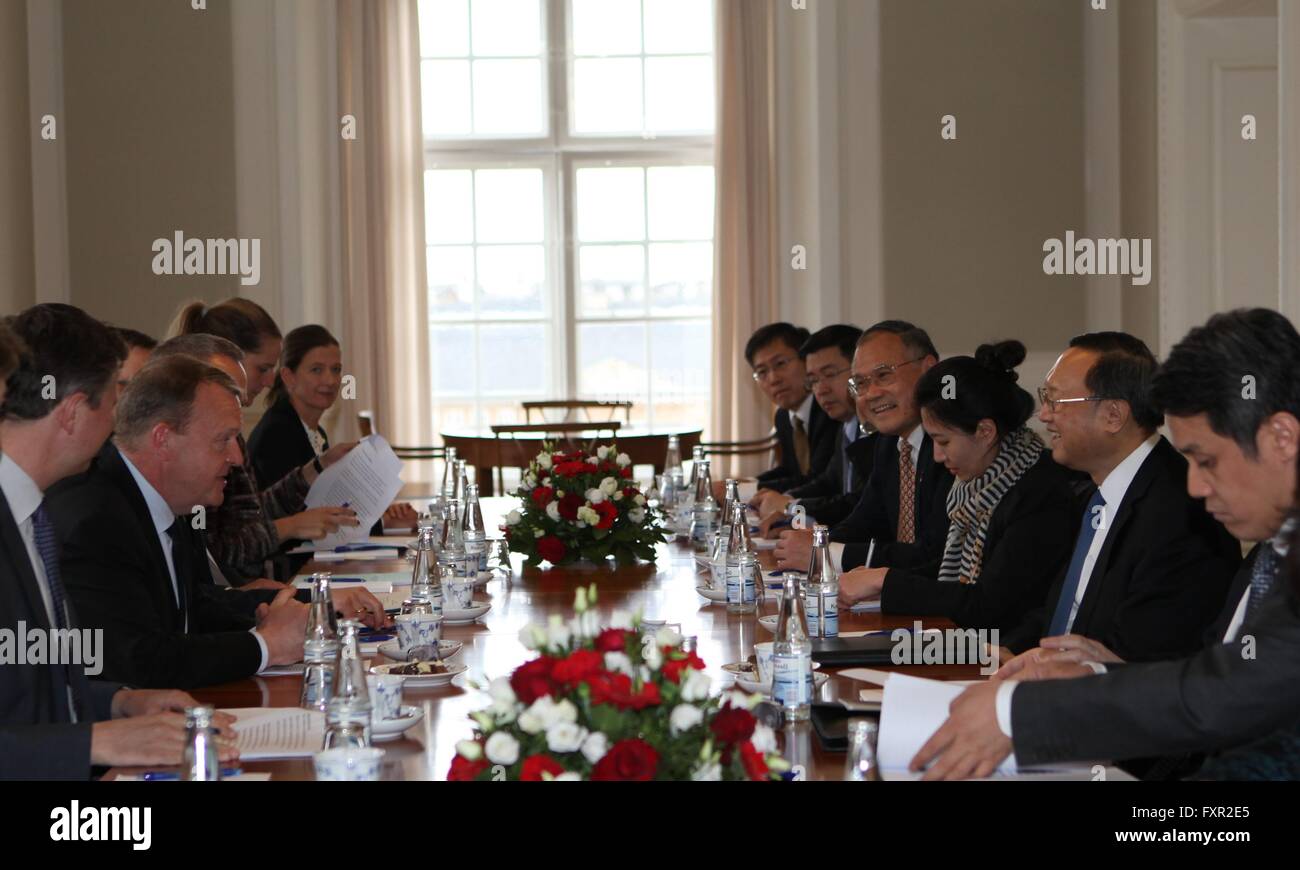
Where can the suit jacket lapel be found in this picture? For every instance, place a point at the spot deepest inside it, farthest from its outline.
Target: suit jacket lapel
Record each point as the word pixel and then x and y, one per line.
pixel 16 551
pixel 115 467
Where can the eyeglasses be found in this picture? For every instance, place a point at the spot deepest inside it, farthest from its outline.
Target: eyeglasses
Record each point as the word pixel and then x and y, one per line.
pixel 810 383
pixel 778 365
pixel 1050 403
pixel 882 376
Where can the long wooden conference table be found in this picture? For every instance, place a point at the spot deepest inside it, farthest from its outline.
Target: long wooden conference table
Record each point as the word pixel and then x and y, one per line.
pixel 663 590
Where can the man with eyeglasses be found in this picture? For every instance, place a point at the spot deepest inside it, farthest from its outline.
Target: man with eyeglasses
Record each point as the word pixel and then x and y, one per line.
pixel 901 518
pixel 830 496
pixel 805 433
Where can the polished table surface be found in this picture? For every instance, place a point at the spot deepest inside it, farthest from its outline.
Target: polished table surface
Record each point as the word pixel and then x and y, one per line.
pixel 664 590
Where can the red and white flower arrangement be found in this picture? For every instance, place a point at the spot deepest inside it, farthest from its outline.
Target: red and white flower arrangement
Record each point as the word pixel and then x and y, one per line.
pixel 576 506
pixel 599 704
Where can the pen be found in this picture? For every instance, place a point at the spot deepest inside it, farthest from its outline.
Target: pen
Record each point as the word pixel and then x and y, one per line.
pixel 165 775
pixel 871 548
pixel 347 580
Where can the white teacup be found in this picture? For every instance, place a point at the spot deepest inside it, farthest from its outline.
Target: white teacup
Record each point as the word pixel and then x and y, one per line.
pixel 420 630
pixel 460 593
pixel 763 657
pixel 385 695
pixel 349 765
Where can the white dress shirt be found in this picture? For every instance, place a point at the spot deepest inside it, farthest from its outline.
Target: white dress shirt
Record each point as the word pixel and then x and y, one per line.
pixel 916 438
pixel 1113 489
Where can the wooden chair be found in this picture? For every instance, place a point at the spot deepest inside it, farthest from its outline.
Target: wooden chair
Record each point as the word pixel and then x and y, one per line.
pixel 518 452
pixel 769 445
pixel 578 410
pixel 366 423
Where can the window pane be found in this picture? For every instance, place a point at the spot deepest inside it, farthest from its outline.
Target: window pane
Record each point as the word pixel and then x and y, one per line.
pixel 604 27
pixel 679 363
pixel 508 205
pixel 681 279
pixel 611 359
pixel 444 28
pixel 611 205
pixel 511 280
pixel 607 96
pixel 507 28
pixel 679 94
pixel 611 280
pixel 448 213
pixel 451 282
pixel 451 352
pixel 678 26
pixel 508 97
pixel 681 202
pixel 513 359
pixel 444 97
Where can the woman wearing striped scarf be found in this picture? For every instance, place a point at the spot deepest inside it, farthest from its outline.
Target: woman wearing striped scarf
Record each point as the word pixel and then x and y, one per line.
pixel 1011 511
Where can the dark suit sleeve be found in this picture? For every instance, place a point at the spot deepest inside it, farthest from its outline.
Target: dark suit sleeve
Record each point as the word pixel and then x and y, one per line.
pixel 101 698
pixel 45 751
pixel 1214 699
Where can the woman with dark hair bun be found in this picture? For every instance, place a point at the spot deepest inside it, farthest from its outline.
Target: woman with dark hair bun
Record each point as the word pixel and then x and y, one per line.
pixel 1011 514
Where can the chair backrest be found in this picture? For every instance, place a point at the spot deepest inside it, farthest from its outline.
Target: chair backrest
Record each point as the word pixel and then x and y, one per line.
pixel 579 410
pixel 515 452
pixel 366 423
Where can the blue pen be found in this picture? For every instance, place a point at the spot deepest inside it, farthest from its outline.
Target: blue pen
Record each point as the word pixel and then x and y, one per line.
pixel 166 775
pixel 347 580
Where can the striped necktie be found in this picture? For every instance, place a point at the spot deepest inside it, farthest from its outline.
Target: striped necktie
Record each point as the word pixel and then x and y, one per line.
pixel 48 549
pixel 906 493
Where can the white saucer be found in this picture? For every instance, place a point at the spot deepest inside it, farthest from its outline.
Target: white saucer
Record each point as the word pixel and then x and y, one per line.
pixel 717 596
pixel 451 616
pixel 769 621
pixel 382 730
pixel 751 686
pixel 426 681
pixel 393 650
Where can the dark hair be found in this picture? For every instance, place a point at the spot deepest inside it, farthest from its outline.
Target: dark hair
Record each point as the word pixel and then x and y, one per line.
pixel 134 338
pixel 297 344
pixel 839 335
pixel 983 387
pixel 1123 370
pixel 80 353
pixel 1206 373
pixel 792 335
pixel 914 338
pixel 11 351
pixel 164 392
pixel 240 320
pixel 201 346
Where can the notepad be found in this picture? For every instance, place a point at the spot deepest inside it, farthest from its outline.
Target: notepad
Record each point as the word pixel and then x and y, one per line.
pixel 371 582
pixel 277 732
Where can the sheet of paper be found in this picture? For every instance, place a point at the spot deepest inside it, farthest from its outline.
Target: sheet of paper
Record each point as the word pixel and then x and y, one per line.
pixel 277 732
pixel 872 606
pixel 375 587
pixel 294 670
pixel 367 480
pixel 871 696
pixel 764 544
pixel 912 710
pixel 867 675
pixel 375 540
pixel 355 556
pixel 242 776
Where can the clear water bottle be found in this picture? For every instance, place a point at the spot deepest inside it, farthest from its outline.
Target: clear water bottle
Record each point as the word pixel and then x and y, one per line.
pixel 199 762
pixel 718 558
pixel 860 766
pixel 473 530
pixel 320 646
pixel 742 564
pixel 347 717
pixel 426 582
pixel 704 513
pixel 448 466
pixel 673 459
pixel 822 588
pixel 453 559
pixel 732 490
pixel 792 679
pixel 687 494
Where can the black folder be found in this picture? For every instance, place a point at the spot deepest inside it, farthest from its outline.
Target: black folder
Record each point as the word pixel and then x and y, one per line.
pixel 842 652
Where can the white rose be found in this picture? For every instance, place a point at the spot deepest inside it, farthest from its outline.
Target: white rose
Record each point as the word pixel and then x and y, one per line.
pixel 532 636
pixel 504 712
pixel 620 619
pixel 636 515
pixel 653 655
pixel 617 495
pixel 588 515
pixel 695 685
pixel 564 711
pixel 602 452
pixel 609 485
pixel 594 460
pixel 639 499
pixel 764 739
pixel 470 750
pixel 595 496
pixel 579 524
pixel 544 459
pixel 707 772
pixel 553 511
pixel 499 690
pixel 618 662
pixel 538 533
pixel 595 747
pixel 623 459
pixel 667 637
pixel 502 748
pixel 557 633
pixel 644 674
pixel 741 701
pixel 530 722
pixel 513 518
pixel 565 737
pixel 585 625
pixel 569 776
pixel 530 480
pixel 685 717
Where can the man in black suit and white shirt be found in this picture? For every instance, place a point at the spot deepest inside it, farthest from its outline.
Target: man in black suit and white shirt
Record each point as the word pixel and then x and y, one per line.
pixel 54 722
pixel 901 517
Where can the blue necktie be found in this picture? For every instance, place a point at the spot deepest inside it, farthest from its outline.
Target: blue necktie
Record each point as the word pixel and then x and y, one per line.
pixel 1092 520
pixel 48 549
pixel 1261 576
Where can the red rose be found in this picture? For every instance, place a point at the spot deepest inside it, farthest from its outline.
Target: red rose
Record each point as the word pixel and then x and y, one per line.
pixel 754 762
pixel 616 689
pixel 542 496
pixel 536 765
pixel 625 471
pixel 551 549
pixel 675 663
pixel 608 513
pixel 612 640
pixel 731 725
pixel 569 505
pixel 574 468
pixel 580 664
pixel 648 696
pixel 631 760
pixel 464 770
pixel 532 680
pixel 630 492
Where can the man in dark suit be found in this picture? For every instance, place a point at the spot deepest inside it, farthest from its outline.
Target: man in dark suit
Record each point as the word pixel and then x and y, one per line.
pixel 830 496
pixel 1150 567
pixel 54 722
pixel 805 434
pixel 903 508
pixel 1243 453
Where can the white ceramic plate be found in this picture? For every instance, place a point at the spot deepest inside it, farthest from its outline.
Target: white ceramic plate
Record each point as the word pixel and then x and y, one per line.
pixel 769 621
pixel 393 650
pixel 423 681
pixel 382 730
pixel 451 616
pixel 753 685
pixel 717 596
